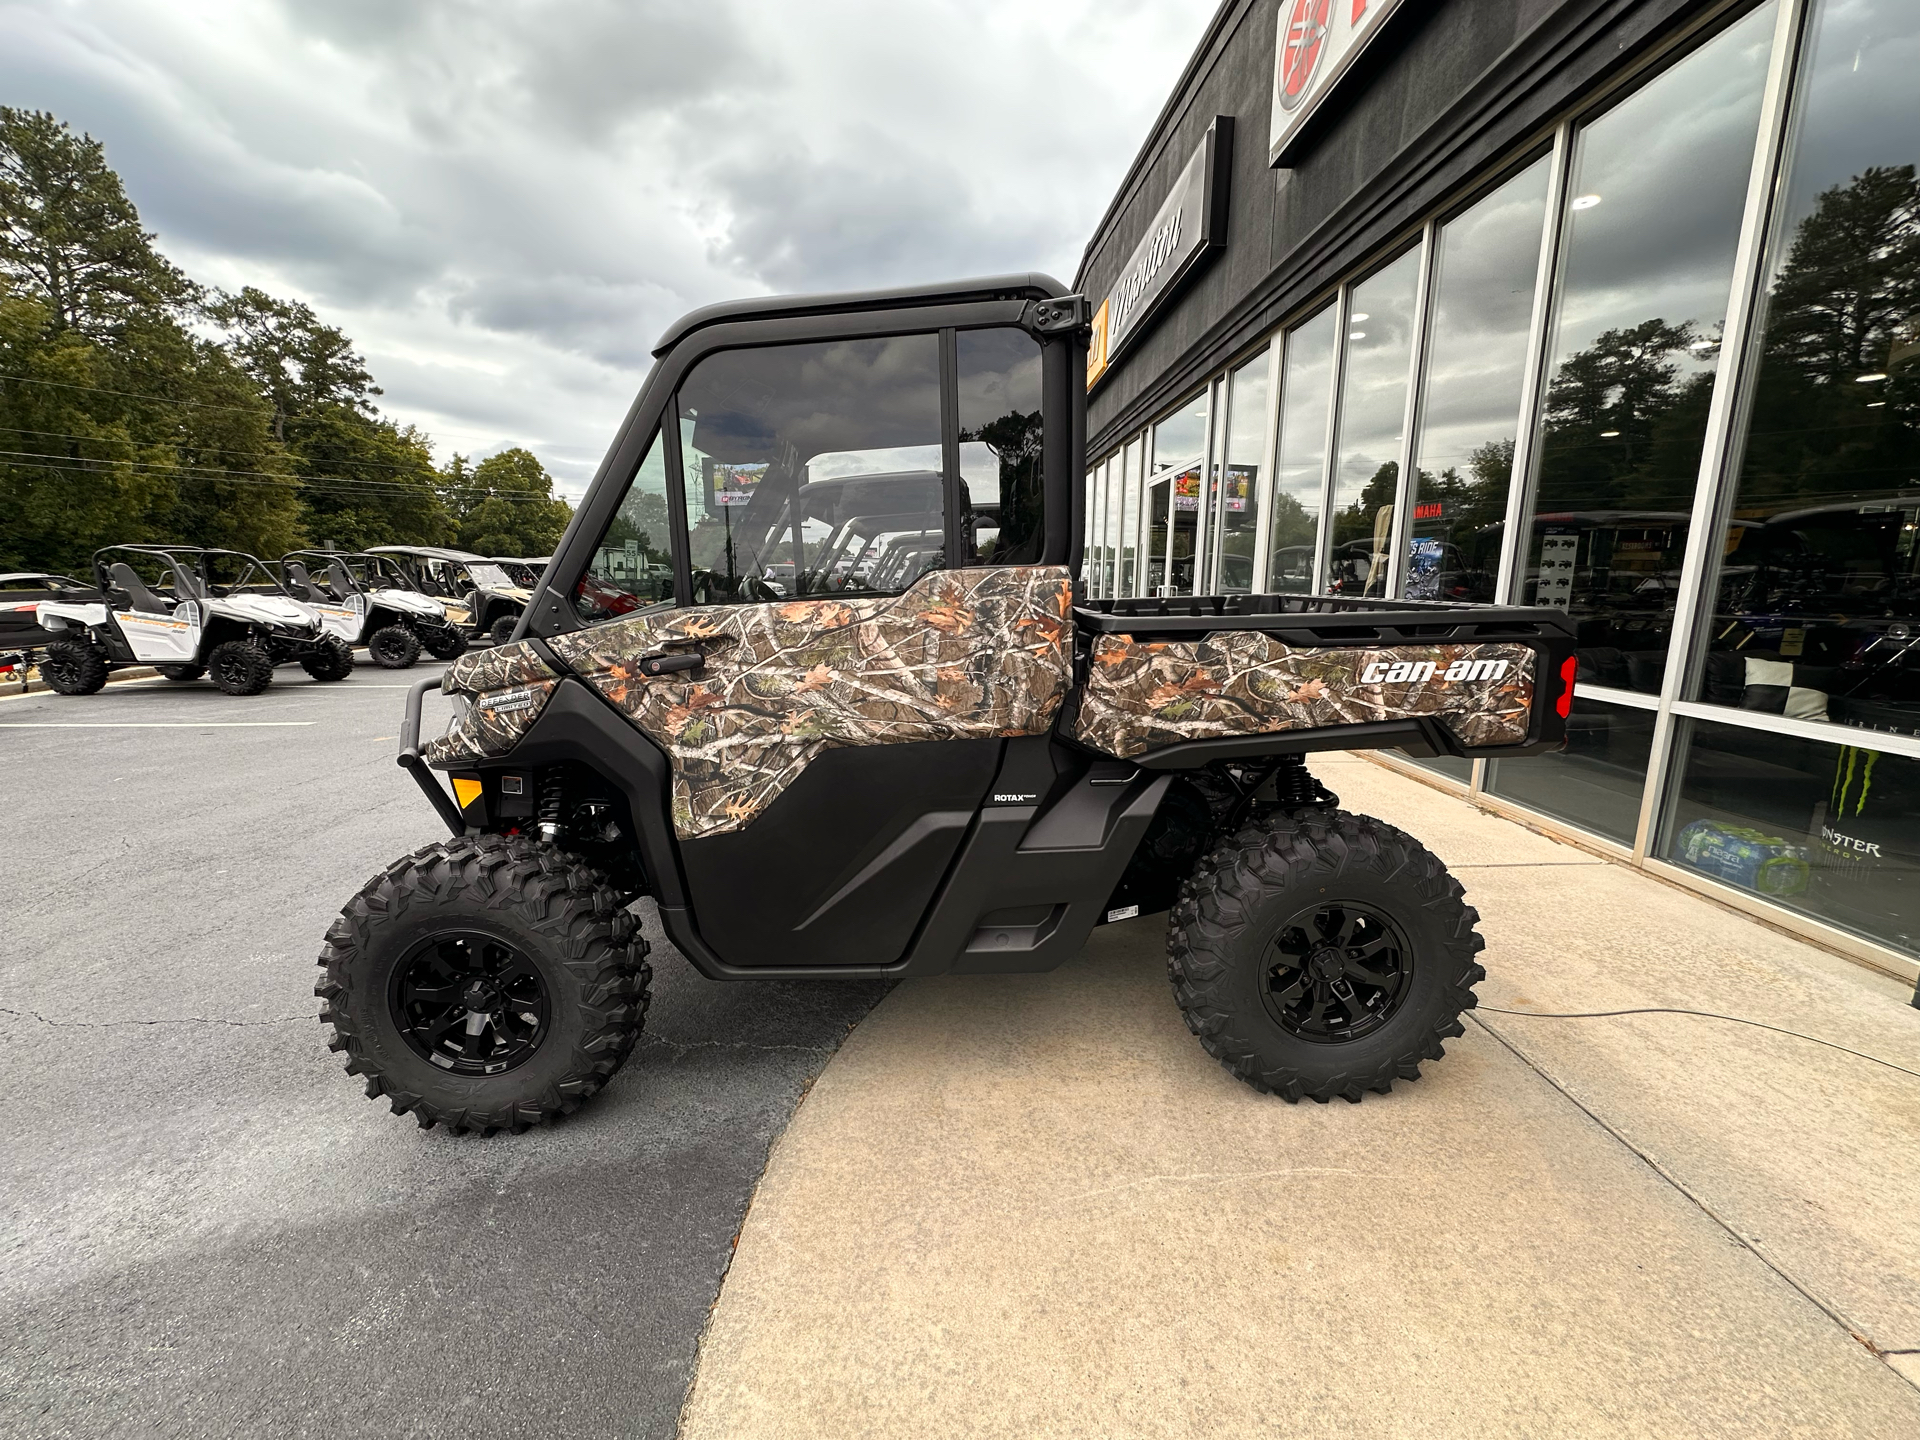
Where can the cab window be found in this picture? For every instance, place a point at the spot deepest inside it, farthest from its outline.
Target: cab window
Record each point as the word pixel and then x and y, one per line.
pixel 813 469
pixel 632 566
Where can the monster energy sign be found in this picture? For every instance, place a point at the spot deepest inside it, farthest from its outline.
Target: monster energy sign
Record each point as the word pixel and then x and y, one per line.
pixel 1190 224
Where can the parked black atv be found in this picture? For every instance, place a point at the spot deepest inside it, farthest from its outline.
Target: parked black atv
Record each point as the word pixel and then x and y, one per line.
pixel 892 739
pixel 369 600
pixel 188 612
pixel 479 595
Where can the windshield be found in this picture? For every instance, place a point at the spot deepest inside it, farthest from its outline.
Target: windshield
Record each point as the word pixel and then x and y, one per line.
pixel 490 577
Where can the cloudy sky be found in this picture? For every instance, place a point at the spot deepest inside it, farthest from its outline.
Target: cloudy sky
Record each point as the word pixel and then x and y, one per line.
pixel 504 202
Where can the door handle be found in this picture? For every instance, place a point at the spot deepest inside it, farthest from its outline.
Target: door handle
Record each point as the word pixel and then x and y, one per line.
pixel 671 663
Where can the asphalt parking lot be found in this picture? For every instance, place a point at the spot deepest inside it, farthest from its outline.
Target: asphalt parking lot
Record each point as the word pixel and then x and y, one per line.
pixel 207 1230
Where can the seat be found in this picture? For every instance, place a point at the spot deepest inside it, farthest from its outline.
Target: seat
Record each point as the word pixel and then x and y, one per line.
pixel 141 598
pixel 302 584
pixel 339 580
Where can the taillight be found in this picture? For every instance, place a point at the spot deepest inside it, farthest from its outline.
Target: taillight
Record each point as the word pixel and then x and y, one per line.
pixel 1569 668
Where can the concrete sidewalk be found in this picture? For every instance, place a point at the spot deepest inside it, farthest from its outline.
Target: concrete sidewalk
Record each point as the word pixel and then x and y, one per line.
pixel 1034 1206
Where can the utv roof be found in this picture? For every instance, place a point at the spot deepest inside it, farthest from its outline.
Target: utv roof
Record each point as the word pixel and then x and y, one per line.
pixel 1033 286
pixel 428 552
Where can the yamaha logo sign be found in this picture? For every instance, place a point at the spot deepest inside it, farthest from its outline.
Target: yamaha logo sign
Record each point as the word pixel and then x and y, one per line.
pixel 1317 43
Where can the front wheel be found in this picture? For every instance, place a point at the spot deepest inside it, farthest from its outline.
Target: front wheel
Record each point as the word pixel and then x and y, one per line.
pixel 330 659
pixel 73 667
pixel 485 983
pixel 393 647
pixel 1322 953
pixel 446 643
pixel 241 667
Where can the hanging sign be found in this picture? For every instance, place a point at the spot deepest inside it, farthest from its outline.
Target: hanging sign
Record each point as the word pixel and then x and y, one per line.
pixel 1317 43
pixel 1191 224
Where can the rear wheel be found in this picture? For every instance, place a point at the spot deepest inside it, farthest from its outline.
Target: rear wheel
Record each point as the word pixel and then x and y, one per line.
pixel 330 659
pixel 501 631
pixel 240 667
pixel 485 983
pixel 393 647
pixel 182 673
pixel 446 643
pixel 73 667
pixel 1322 953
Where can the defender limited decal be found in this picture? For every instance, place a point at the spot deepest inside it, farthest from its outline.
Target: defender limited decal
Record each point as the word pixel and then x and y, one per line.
pixel 511 702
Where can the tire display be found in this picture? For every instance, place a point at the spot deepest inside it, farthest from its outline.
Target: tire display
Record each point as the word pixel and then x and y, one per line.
pixel 485 983
pixel 73 667
pixel 240 667
pixel 393 647
pixel 1321 953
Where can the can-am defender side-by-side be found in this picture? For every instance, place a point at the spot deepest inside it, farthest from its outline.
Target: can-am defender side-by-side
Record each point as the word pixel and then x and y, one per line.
pixel 370 600
pixel 874 727
pixel 479 594
pixel 188 612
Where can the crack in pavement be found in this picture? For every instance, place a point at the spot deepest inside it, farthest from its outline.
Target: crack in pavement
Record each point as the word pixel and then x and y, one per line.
pixel 164 1020
pixel 680 1047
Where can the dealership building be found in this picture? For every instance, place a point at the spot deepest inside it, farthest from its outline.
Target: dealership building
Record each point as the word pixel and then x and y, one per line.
pixel 1609 305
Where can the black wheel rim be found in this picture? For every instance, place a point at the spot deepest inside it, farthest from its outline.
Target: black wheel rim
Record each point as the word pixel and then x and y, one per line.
pixel 1336 972
pixel 470 1003
pixel 231 669
pixel 389 649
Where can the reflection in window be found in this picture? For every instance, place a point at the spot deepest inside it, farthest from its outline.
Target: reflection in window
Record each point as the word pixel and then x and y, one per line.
pixel 1086 540
pixel 1238 516
pixel 1653 217
pixel 1130 519
pixel 1157 505
pixel 1832 831
pixel 1594 780
pixel 813 469
pixel 1179 446
pixel 632 565
pixel 1306 386
pixel 1373 403
pixel 1482 307
pixel 1817 606
pixel 1002 435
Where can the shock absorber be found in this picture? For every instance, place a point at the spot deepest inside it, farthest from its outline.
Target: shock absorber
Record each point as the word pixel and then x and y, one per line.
pixel 552 796
pixel 1295 788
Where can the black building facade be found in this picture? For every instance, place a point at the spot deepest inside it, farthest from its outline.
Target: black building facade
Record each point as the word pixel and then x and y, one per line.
pixel 1612 305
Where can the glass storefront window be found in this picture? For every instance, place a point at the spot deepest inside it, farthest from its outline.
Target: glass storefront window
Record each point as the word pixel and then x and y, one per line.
pixel 1816 611
pixel 1239 514
pixel 1485 263
pixel 1158 501
pixel 1306 388
pixel 1832 831
pixel 1654 202
pixel 1373 404
pixel 1116 510
pixel 1179 452
pixel 1129 520
pixel 1595 781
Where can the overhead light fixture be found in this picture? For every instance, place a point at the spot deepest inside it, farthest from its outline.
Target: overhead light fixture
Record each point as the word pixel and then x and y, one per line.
pixel 1356 335
pixel 1356 319
pixel 1585 202
pixel 1876 404
pixel 1868 379
pixel 1609 434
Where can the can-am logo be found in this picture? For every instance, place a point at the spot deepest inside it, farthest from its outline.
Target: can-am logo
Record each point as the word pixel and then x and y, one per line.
pixel 1406 672
pixel 1301 46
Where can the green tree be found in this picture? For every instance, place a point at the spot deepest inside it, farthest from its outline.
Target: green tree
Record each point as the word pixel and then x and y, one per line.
pixel 299 363
pixel 69 231
pixel 507 505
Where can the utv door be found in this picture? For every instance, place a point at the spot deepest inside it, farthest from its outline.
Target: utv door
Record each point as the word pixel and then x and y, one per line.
pixel 850 691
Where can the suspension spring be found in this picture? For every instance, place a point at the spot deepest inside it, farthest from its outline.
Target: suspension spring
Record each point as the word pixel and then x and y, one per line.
pixel 552 799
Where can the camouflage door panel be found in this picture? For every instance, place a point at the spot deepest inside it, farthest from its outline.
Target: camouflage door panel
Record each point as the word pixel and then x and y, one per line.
pixel 1140 696
pixel 510 685
pixel 963 654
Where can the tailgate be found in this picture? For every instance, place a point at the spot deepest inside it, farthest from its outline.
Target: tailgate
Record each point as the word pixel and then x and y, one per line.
pixel 1181 681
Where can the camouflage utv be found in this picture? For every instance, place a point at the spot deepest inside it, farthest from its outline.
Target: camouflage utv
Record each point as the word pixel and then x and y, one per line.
pixel 813 670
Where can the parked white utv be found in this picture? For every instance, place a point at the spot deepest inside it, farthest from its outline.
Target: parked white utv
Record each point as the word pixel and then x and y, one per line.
pixel 369 600
pixel 188 612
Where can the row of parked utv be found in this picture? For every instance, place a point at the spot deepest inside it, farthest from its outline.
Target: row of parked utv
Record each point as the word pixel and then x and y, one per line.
pixel 191 612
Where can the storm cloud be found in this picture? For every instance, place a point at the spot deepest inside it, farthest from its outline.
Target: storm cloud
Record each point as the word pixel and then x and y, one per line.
pixel 505 203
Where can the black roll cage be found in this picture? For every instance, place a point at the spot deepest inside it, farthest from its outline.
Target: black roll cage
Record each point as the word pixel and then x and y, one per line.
pixel 194 584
